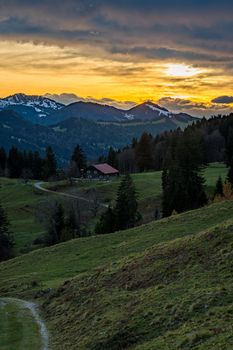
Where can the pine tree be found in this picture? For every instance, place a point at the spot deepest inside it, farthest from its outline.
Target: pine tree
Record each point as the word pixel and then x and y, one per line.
pixel 125 213
pixel 56 225
pixel 219 187
pixel 134 143
pixel 3 161
pixel 78 161
pixel 229 154
pixel 79 157
pixel 50 164
pixel 15 163
pixel 37 166
pixel 126 209
pixel 112 158
pixel 72 223
pixel 143 151
pixel 6 238
pixel 183 184
pixel 107 222
pixel 230 172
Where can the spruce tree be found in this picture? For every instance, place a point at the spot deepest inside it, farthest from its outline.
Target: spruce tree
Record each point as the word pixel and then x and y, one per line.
pixel 3 161
pixel 229 154
pixel 230 172
pixel 56 225
pixel 183 184
pixel 37 166
pixel 50 164
pixel 143 151
pixel 126 209
pixel 6 238
pixel 125 213
pixel 72 224
pixel 112 157
pixel 219 187
pixel 15 163
pixel 79 159
pixel 107 222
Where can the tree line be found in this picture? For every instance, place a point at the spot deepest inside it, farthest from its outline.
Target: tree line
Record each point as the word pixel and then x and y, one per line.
pixel 181 156
pixel 27 164
pixel 143 154
pixel 31 165
pixel 149 153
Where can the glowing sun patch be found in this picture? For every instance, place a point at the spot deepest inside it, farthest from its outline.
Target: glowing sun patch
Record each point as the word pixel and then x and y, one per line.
pixel 181 70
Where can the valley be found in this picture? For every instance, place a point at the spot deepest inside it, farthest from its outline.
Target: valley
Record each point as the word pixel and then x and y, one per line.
pixel 21 200
pixel 35 122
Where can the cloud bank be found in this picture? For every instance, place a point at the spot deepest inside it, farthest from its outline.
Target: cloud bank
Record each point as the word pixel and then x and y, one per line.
pixel 223 99
pixel 68 98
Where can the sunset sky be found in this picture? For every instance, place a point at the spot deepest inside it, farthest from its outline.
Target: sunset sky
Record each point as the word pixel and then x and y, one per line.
pixel 176 53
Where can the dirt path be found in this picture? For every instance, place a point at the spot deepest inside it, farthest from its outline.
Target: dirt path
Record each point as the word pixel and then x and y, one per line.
pixel 39 186
pixel 22 304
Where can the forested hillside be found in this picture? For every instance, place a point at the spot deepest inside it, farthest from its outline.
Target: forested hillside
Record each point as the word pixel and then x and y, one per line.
pixel 213 137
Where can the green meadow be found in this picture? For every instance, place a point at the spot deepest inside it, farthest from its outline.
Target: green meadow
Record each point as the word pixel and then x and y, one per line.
pixel 21 200
pixel 164 285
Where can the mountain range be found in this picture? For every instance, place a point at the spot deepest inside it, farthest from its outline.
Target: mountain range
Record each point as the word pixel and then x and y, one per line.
pixel 44 111
pixel 34 122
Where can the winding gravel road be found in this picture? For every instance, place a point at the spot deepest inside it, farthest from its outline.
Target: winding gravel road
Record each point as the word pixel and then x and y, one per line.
pixel 39 186
pixel 38 320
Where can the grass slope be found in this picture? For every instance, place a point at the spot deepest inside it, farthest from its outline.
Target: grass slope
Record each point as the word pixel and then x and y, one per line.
pixel 176 295
pixel 19 201
pixel 49 267
pixel 148 185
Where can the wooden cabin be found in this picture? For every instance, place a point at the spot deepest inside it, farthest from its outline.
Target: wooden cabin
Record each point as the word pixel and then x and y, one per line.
pixel 101 171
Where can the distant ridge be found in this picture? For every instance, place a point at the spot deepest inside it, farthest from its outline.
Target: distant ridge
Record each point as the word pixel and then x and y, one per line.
pixel 44 111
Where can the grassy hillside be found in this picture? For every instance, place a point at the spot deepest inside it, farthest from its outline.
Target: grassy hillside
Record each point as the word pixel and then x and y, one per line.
pixel 175 295
pixel 49 267
pixel 20 199
pixel 148 185
pixel 165 285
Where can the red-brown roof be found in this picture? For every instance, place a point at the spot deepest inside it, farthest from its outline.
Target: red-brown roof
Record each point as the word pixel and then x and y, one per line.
pixel 105 168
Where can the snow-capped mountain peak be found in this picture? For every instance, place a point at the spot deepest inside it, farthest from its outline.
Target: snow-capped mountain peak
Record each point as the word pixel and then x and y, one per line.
pixel 30 100
pixel 149 111
pixel 159 109
pixel 31 107
pixel 43 110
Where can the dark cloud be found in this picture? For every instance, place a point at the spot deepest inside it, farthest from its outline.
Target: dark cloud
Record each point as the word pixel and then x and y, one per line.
pixel 166 53
pixel 197 31
pixel 198 109
pixel 223 99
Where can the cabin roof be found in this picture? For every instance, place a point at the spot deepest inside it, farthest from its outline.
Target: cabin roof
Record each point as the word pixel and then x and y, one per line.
pixel 105 168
